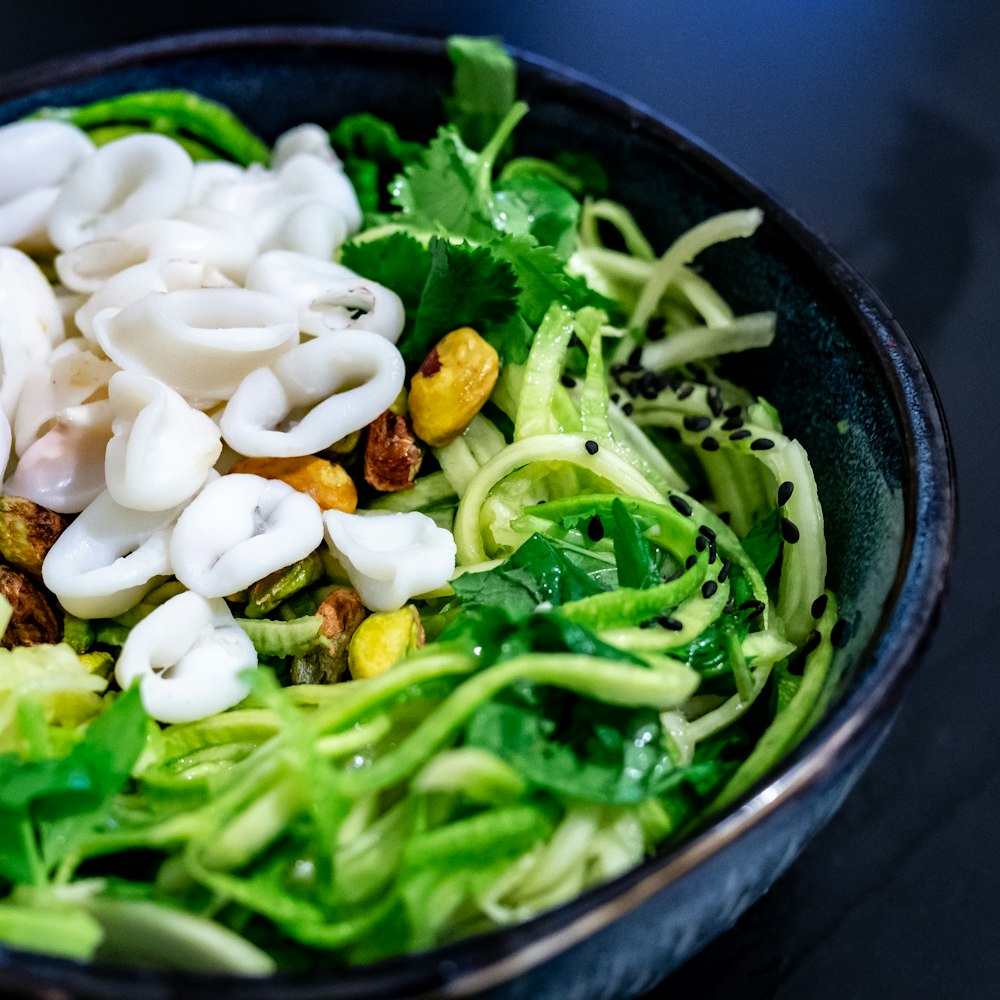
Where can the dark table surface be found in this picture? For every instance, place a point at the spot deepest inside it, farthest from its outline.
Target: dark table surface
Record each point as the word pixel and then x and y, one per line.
pixel 878 121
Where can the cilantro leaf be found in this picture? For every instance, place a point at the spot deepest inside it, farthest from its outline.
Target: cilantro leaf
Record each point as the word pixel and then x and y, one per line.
pixel 484 87
pixel 538 571
pixel 46 804
pixel 397 261
pixel 439 193
pixel 465 286
pixel 553 210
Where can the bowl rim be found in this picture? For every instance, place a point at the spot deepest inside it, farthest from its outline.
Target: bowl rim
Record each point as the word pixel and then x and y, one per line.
pixel 909 614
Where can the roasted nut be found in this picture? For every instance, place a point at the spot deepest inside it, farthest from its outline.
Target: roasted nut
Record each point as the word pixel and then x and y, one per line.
pixel 383 639
pixel 32 620
pixel 392 455
pixel 266 594
pixel 342 612
pixel 452 385
pixel 327 483
pixel 27 532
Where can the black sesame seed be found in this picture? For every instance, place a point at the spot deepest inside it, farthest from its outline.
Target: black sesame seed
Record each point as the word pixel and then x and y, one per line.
pixel 733 411
pixel 785 491
pixel 762 444
pixel 704 529
pixel 739 435
pixel 627 409
pixel 724 572
pixel 635 359
pixel 672 434
pixel 708 588
pixel 592 447
pixel 568 381
pixel 732 424
pixel 595 529
pixel 690 561
pixel 615 397
pixel 680 505
pixel 649 387
pixel 710 444
pixel 714 401
pixel 725 517
pixel 819 606
pixel 697 424
pixel 685 390
pixel 670 624
pixel 754 606
pixel 840 633
pixel 789 531
pixel 701 543
pixel 711 552
pixel 673 380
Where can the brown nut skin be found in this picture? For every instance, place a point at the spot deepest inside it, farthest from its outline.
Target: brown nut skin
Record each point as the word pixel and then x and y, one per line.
pixel 27 532
pixel 392 455
pixel 452 385
pixel 326 482
pixel 342 612
pixel 32 621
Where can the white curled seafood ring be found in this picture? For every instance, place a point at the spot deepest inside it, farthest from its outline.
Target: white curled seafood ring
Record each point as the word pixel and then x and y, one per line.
pixel 35 158
pixel 390 558
pixel 135 178
pixel 201 342
pixel 345 381
pixel 136 282
pixel 218 240
pixel 64 468
pixel 108 558
pixel 188 657
pixel 31 323
pixel 239 529
pixel 327 297
pixel 306 203
pixel 162 450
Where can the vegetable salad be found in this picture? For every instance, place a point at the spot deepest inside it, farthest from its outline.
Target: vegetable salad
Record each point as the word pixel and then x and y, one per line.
pixel 389 552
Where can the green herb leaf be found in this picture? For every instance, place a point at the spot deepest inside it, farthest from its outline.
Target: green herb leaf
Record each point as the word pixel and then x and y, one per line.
pixel 553 210
pixel 763 542
pixel 484 88
pixel 637 566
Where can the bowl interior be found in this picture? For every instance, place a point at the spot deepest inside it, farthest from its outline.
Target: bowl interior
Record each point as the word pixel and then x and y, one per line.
pixel 828 372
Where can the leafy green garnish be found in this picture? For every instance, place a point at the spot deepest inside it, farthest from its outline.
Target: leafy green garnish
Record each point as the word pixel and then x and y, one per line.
pixel 763 542
pixel 633 554
pixel 46 805
pixel 484 87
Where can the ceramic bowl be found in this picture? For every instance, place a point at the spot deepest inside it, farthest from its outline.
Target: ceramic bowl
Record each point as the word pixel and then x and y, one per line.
pixel 848 383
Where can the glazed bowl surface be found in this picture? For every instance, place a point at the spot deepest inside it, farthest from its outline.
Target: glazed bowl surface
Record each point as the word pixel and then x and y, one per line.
pixel 847 382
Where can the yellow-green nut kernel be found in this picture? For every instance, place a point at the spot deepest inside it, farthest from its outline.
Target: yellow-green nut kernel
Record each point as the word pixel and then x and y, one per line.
pixel 452 385
pixel 382 640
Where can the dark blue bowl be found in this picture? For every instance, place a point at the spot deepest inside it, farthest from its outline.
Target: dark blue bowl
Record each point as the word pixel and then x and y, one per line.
pixel 848 383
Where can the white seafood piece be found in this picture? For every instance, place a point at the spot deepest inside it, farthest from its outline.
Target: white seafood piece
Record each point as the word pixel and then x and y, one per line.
pixel 220 241
pixel 35 158
pixel 390 558
pixel 162 450
pixel 239 529
pixel 30 323
pixel 188 657
pixel 64 468
pixel 139 177
pixel 73 375
pixel 201 342
pixel 307 204
pixel 137 281
pixel 309 139
pixel 108 558
pixel 328 297
pixel 343 384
